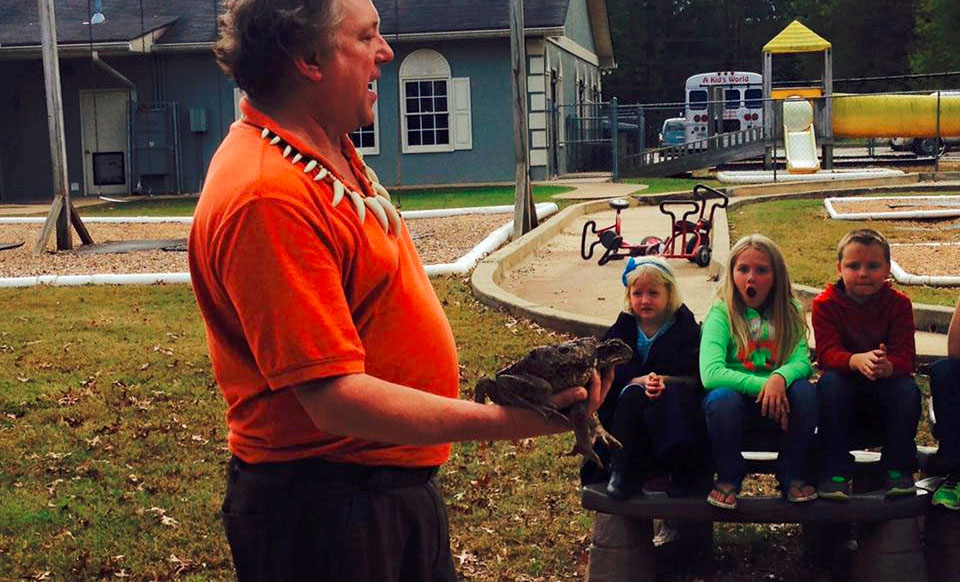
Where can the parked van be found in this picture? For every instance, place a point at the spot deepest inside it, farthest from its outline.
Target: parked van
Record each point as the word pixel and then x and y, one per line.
pixel 673 132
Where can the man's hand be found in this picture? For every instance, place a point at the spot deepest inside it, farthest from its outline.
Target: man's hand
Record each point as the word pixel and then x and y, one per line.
pixel 594 392
pixel 773 400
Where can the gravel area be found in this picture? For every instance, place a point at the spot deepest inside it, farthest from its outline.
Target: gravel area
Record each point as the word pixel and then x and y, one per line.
pixel 904 204
pixel 438 240
pixel 928 260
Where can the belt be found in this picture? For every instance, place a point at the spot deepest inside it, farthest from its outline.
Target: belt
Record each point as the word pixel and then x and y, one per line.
pixel 367 477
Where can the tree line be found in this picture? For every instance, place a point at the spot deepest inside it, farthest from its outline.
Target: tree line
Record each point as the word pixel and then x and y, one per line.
pixel 659 43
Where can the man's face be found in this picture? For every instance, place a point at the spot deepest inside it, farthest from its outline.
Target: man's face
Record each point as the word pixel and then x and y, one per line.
pixel 864 269
pixel 358 53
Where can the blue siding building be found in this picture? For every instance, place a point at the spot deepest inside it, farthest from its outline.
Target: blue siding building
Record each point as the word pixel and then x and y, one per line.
pixel 145 105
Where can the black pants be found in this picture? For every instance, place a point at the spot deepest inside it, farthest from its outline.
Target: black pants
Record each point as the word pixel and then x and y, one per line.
pixel 315 521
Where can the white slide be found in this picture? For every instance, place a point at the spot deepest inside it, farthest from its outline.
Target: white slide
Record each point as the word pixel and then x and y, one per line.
pixel 798 136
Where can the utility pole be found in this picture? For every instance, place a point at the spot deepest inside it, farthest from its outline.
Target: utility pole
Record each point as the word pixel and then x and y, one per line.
pixel 524 212
pixel 62 213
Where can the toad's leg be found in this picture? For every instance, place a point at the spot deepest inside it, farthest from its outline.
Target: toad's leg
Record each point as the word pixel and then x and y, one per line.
pixel 587 429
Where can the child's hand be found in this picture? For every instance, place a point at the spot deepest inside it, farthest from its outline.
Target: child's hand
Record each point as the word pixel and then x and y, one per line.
pixel 654 386
pixel 884 366
pixel 868 363
pixel 773 400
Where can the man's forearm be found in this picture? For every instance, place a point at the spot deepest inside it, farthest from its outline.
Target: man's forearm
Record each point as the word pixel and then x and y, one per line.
pixel 366 407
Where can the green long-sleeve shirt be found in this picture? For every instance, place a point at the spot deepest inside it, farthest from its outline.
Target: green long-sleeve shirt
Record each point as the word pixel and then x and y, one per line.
pixel 723 365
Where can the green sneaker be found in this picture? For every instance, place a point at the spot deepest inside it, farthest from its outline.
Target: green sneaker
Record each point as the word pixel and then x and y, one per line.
pixel 836 488
pixel 948 494
pixel 899 484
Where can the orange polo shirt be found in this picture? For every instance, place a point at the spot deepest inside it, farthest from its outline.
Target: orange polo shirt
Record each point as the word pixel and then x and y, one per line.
pixel 294 289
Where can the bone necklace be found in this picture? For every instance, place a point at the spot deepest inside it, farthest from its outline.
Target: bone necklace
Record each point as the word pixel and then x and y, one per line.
pixel 379 205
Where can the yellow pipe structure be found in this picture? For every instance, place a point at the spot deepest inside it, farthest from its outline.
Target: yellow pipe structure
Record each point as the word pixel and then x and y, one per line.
pixel 895 115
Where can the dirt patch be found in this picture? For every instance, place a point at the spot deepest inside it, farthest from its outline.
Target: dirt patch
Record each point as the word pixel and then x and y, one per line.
pixel 937 260
pixel 438 240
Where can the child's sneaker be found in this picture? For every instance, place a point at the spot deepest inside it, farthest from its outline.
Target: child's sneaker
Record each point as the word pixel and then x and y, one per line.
pixel 948 494
pixel 899 484
pixel 836 488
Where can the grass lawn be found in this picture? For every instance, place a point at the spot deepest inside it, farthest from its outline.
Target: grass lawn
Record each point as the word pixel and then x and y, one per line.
pixel 660 185
pixel 405 199
pixel 112 445
pixel 112 452
pixel 808 238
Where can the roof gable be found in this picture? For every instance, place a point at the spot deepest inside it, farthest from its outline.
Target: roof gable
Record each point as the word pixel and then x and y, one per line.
pixel 193 22
pixel 796 38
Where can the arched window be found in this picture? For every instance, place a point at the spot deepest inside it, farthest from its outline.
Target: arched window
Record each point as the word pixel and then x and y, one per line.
pixel 434 106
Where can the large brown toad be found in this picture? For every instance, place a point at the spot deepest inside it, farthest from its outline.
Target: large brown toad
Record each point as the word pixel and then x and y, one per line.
pixel 546 370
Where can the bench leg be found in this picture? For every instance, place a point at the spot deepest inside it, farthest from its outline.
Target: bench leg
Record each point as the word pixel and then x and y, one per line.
pixel 942 541
pixel 890 551
pixel 621 550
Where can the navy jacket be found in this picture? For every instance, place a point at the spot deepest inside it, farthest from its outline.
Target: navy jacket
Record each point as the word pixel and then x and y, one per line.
pixel 675 353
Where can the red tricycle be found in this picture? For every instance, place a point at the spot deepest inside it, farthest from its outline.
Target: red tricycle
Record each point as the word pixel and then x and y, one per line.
pixel 688 239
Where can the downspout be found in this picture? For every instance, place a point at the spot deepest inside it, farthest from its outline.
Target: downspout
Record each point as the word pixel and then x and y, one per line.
pixel 128 166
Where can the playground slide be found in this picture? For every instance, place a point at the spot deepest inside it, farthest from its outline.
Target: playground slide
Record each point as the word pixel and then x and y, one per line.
pixel 799 139
pixel 896 115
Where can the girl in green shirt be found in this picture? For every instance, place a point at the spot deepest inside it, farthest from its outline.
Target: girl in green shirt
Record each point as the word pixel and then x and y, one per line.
pixel 755 366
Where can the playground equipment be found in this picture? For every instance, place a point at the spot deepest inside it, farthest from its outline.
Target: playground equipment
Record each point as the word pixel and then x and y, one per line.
pixel 688 239
pixel 798 136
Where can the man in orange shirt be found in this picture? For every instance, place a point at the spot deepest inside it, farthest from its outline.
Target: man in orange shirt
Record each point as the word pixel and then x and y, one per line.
pixel 327 340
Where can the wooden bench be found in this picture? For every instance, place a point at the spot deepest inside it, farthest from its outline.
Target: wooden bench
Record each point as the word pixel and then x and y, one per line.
pixel 890 531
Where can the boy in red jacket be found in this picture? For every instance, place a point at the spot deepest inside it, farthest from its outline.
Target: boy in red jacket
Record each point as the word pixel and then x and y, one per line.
pixel 866 352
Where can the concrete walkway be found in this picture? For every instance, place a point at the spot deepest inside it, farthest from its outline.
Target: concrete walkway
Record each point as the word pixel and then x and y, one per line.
pixel 542 275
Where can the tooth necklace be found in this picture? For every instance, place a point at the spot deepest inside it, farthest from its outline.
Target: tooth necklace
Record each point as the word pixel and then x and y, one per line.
pixel 379 204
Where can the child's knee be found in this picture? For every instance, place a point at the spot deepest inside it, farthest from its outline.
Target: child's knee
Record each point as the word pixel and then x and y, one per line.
pixel 722 401
pixel 944 375
pixel 803 398
pixel 833 386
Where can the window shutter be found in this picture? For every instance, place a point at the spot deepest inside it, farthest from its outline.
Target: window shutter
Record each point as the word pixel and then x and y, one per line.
pixel 462 122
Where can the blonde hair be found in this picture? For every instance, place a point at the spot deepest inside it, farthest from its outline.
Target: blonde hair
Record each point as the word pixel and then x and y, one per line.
pixel 789 322
pixel 658 271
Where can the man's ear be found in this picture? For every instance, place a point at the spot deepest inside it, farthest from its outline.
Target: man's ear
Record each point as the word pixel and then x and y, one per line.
pixel 308 66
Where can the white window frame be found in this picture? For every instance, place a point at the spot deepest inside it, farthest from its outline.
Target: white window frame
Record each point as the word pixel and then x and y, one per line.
pixel 425 65
pixel 375 149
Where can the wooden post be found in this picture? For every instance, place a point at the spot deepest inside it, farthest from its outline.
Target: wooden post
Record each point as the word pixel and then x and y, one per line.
pixel 62 213
pixel 524 213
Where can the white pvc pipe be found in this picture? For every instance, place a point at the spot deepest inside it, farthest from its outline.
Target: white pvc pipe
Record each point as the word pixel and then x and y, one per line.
pixel 487 245
pixel 763 177
pixel 99 279
pixel 906 278
pixel 828 204
pixel 462 265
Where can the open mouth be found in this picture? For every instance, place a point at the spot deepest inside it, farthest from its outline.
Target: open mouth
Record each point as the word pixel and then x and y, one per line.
pixel 751 292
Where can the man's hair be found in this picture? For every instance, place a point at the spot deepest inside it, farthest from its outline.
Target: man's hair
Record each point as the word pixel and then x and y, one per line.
pixel 259 38
pixel 866 237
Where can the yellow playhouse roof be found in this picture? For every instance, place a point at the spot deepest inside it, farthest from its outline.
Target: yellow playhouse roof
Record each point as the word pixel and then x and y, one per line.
pixel 796 38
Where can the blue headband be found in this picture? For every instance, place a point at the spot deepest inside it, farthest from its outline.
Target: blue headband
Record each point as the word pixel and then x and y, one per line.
pixel 633 263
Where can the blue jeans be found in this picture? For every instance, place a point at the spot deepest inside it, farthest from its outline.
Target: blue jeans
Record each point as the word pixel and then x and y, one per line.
pixel 877 412
pixel 945 388
pixel 730 413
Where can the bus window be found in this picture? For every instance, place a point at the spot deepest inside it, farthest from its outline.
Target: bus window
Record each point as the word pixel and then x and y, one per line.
pixel 754 98
pixel 731 98
pixel 698 100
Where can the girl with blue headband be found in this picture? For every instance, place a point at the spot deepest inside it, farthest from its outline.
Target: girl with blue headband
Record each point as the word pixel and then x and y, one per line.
pixel 653 404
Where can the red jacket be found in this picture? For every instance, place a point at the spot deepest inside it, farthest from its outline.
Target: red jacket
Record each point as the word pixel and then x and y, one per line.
pixel 842 327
